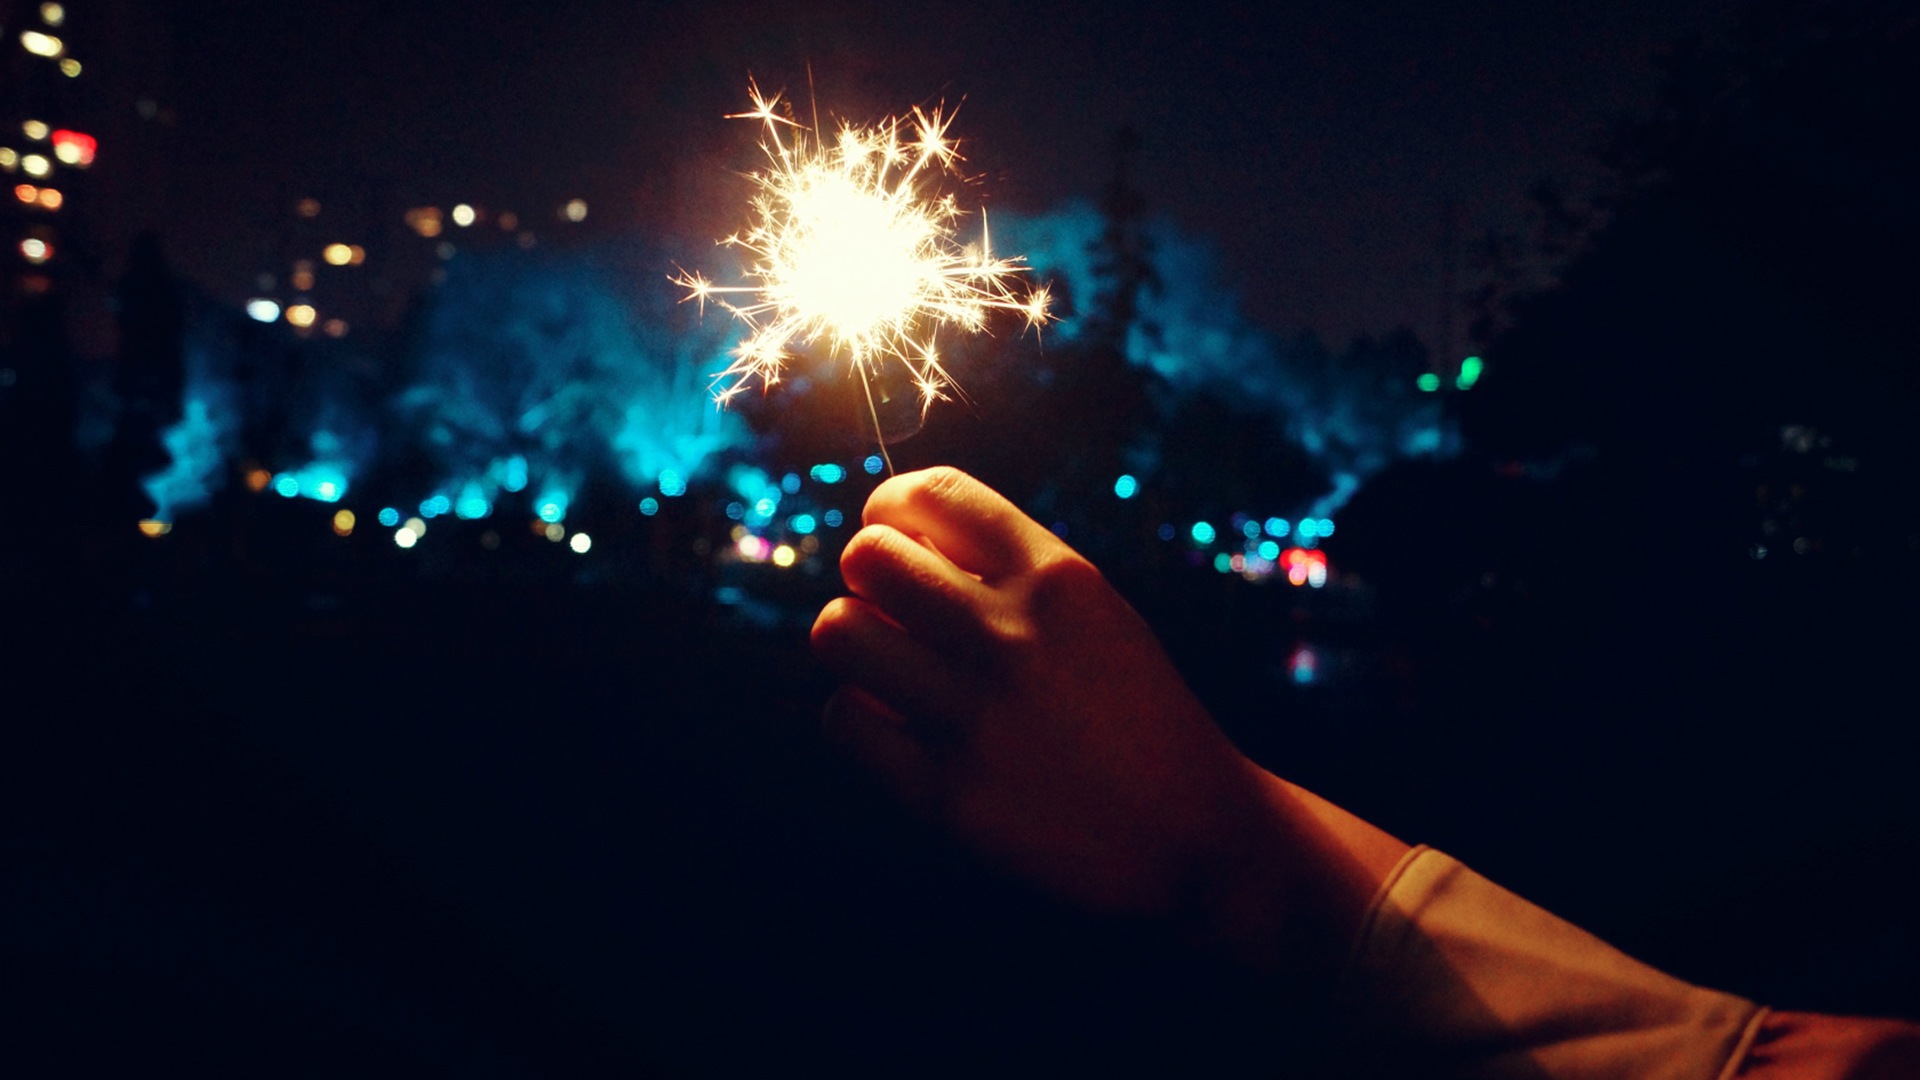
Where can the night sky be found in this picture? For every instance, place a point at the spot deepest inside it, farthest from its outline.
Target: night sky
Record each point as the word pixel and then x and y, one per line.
pixel 1318 146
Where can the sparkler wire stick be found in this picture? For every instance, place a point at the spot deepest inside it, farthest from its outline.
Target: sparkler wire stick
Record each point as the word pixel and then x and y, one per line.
pixel 852 242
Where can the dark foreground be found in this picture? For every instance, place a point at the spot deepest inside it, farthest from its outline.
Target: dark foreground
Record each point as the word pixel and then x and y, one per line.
pixel 553 829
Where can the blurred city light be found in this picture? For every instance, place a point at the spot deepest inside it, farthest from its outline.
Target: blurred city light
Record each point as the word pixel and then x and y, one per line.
pixel 1126 487
pixel 833 518
pixel 34 129
pixel 9 158
pixel 672 484
pixel 873 465
pixel 263 310
pixel 53 14
pixel 1470 369
pixel 40 44
pixel 70 67
pixel 580 543
pixel 35 165
pixel 828 474
pixel 424 220
pixel 35 250
pixel 554 531
pixel 153 527
pixel 389 516
pixel 302 315
pixel 802 523
pixel 337 254
pixel 1202 533
pixel 463 215
pixel 405 537
pixel 649 506
pixel 1428 382
pixel 74 148
pixel 343 521
pixel 783 556
pixel 575 210
pixel 1278 527
pixel 307 208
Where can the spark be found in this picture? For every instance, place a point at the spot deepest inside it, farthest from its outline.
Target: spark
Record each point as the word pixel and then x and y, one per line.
pixel 854 242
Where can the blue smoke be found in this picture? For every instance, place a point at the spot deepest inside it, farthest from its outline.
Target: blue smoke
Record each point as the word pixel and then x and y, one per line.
pixel 198 443
pixel 535 371
pixel 1355 412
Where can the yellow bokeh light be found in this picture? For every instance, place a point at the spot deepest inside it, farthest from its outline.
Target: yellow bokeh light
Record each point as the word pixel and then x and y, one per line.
pixel 53 14
pixel 258 479
pixel 337 254
pixel 463 215
pixel 424 220
pixel 783 556
pixel 70 68
pixel 343 523
pixel 36 165
pixel 418 527
pixel 302 315
pixel 9 158
pixel 34 129
pixel 69 153
pixel 555 532
pixel 50 198
pixel 580 543
pixel 35 250
pixel 40 44
pixel 154 527
pixel 575 210
pixel 405 537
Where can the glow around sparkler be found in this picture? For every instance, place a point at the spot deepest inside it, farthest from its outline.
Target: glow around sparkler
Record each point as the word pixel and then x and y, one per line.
pixel 854 244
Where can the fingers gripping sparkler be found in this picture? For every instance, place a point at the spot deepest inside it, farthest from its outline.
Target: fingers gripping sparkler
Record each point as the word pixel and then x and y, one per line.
pixel 854 244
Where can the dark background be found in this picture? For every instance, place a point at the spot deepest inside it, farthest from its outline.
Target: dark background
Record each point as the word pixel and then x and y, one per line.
pixel 1636 645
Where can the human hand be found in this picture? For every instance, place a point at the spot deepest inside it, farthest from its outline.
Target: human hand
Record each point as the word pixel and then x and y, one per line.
pixel 999 685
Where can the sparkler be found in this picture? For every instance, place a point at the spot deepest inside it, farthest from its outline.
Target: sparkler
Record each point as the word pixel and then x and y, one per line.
pixel 854 243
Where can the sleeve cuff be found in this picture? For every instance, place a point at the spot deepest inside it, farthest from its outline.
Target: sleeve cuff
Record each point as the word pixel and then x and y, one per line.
pixel 1452 975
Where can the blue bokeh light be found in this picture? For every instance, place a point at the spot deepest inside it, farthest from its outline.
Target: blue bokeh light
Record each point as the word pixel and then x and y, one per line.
pixel 651 506
pixel 1126 487
pixel 803 524
pixel 828 473
pixel 1277 527
pixel 790 483
pixel 833 518
pixel 1202 533
pixel 672 484
pixel 389 516
pixel 873 465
